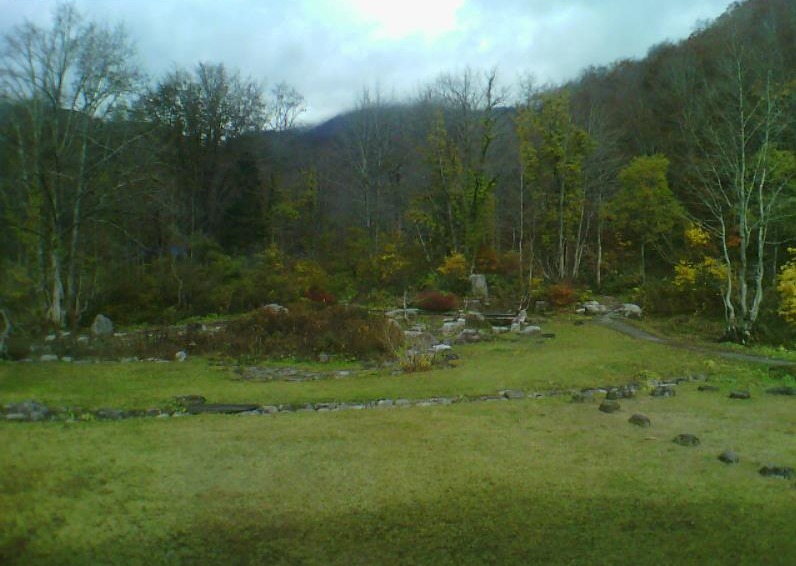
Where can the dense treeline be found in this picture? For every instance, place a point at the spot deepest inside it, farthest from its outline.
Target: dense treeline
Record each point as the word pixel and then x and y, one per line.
pixel 670 179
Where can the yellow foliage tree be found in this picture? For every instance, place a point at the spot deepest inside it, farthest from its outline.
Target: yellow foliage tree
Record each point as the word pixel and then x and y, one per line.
pixel 786 285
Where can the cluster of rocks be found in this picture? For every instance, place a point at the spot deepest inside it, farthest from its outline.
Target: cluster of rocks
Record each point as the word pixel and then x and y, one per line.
pixel 610 404
pixel 593 308
pixel 103 342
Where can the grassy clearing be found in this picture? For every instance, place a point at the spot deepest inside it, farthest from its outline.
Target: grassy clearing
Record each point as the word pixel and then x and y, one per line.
pixel 579 356
pixel 508 482
pixel 501 482
pixel 704 332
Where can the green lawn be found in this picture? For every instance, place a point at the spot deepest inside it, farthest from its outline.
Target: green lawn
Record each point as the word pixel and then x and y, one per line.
pixel 505 482
pixel 579 356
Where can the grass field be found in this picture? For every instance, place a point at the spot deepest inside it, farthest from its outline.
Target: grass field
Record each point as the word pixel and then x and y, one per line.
pixel 506 482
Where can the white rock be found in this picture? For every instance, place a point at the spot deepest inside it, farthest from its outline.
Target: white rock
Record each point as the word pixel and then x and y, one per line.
pixel 102 326
pixel 275 308
pixel 453 327
pixel 593 307
pixel 440 347
pixel 48 358
pixel 529 330
pixel 181 356
pixel 630 310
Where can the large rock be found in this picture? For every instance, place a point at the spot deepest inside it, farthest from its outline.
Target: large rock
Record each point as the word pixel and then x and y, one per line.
pixel 630 310
pixel 102 326
pixel 478 286
pixel 451 327
pixel 468 336
pixel 275 308
pixel 419 339
pixel 594 308
pixel 531 330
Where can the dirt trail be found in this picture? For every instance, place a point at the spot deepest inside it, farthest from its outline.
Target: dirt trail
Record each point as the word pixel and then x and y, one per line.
pixel 628 329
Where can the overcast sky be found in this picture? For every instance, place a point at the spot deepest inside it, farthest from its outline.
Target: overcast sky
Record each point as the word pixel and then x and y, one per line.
pixel 330 49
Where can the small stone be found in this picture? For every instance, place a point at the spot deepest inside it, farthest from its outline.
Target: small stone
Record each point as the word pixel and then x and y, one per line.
pixel 624 392
pixel 707 388
pixel 513 394
pixel 776 472
pixel 109 414
pixel 48 358
pixel 402 402
pixel 385 403
pixel 639 420
pixel 583 397
pixel 16 417
pixel 663 391
pixel 152 413
pixel 181 356
pixel 729 457
pixel 67 359
pixel 186 400
pixel 609 406
pixel 791 391
pixel 686 440
pixel 50 338
pixel 740 395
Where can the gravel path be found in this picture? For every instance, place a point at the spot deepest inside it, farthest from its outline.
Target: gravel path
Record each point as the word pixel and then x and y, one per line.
pixel 623 327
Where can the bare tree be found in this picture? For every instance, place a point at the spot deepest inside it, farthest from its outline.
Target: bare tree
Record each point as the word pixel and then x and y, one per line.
pixel 286 105
pixel 735 125
pixel 63 85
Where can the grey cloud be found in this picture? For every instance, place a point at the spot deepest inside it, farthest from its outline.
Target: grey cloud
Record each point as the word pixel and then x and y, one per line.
pixel 316 46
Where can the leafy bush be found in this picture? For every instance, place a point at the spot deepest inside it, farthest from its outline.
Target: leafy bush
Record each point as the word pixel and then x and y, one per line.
pixel 561 294
pixel 437 301
pixel 786 286
pixel 452 274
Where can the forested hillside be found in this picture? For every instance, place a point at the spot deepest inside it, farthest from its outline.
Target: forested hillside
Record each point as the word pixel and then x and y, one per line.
pixel 671 180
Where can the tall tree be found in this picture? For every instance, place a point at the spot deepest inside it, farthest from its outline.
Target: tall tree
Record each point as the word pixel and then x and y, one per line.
pixel 199 114
pixel 553 152
pixel 741 174
pixel 64 85
pixel 644 209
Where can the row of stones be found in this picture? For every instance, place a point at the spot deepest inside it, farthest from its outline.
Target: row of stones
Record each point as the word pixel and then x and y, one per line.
pixel 196 404
pixel 727 456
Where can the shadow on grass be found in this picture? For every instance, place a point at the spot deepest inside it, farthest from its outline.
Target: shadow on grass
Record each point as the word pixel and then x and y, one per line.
pixel 477 527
